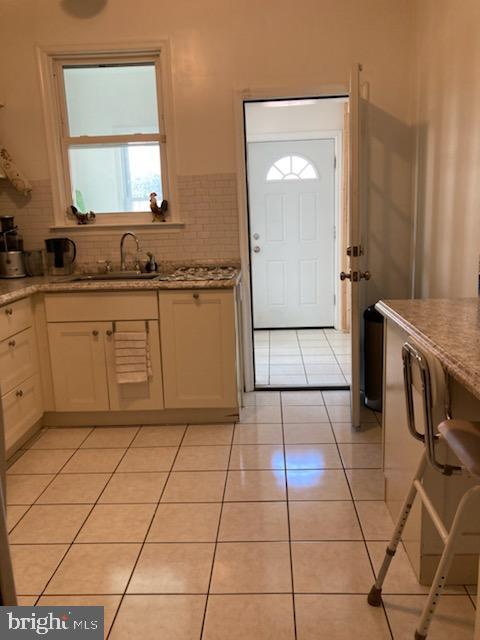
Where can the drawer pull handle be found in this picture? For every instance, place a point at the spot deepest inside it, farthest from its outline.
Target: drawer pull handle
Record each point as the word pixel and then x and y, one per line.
pixel 9 311
pixel 11 343
pixel 95 333
pixel 19 393
pixel 196 296
pixel 109 332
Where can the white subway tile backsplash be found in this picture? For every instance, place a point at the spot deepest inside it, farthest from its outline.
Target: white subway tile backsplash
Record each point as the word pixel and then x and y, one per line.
pixel 207 205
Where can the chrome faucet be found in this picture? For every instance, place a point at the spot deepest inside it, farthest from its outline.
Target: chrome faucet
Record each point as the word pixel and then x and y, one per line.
pixel 123 266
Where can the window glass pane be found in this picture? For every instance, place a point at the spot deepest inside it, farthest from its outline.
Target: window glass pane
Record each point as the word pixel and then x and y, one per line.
pixel 111 100
pixel 284 164
pixel 115 178
pixel 308 173
pixel 298 164
pixel 274 174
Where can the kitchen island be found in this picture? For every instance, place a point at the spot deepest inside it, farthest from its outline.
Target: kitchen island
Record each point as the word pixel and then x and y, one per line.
pixel 450 331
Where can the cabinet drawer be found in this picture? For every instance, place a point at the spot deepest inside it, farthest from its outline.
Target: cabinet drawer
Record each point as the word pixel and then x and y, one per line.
pixel 101 305
pixel 18 359
pixel 15 317
pixel 22 407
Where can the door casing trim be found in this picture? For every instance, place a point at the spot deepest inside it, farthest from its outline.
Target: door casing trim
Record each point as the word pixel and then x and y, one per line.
pixel 240 97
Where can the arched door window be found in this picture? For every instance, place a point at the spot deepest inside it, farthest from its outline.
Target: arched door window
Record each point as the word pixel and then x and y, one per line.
pixel 292 168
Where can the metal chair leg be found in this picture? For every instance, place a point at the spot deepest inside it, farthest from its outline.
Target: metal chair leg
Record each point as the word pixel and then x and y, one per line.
pixel 444 565
pixel 375 596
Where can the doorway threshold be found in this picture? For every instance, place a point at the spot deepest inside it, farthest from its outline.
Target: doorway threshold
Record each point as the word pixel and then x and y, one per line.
pixel 304 388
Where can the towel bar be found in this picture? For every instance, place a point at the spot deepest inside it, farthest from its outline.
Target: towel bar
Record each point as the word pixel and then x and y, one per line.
pixel 114 326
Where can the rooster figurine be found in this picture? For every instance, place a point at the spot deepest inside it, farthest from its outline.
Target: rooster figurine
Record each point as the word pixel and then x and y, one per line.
pixel 158 211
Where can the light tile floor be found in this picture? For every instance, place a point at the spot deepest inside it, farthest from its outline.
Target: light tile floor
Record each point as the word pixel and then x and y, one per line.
pixel 269 528
pixel 302 358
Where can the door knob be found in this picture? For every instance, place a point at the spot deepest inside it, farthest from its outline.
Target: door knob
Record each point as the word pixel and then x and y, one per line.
pixel 11 343
pixel 9 311
pixel 355 276
pixel 95 333
pixel 109 332
pixel 256 249
pixel 19 393
pixel 256 236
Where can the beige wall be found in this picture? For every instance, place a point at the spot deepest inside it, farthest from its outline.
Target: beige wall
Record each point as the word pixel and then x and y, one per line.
pixel 447 123
pixel 222 45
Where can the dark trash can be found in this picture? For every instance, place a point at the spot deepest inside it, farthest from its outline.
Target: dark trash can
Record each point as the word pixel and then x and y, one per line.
pixel 373 358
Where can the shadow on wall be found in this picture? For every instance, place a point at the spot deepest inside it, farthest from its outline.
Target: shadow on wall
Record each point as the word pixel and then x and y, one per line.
pixel 447 162
pixel 387 203
pixel 83 8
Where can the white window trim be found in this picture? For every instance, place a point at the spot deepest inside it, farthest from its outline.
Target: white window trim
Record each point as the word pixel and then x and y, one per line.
pixel 47 57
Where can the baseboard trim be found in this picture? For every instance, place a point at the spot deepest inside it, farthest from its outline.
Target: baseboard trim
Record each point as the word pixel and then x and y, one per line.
pixel 125 418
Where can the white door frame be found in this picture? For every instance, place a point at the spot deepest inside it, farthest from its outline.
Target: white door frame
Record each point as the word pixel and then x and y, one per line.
pixel 240 97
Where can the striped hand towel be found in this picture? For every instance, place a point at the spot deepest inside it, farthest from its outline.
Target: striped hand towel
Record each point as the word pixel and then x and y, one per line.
pixel 132 357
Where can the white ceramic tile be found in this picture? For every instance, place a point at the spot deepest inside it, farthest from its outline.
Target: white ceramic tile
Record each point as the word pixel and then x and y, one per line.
pixel 302 413
pixel 302 398
pixel 268 414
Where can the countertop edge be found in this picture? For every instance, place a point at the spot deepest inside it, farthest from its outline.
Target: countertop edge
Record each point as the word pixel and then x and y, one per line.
pixel 125 285
pixel 453 366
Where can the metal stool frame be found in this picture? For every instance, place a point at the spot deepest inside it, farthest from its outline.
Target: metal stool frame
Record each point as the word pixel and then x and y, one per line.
pixel 411 355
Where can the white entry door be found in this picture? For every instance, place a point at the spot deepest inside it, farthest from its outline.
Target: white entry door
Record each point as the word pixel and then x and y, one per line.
pixel 291 188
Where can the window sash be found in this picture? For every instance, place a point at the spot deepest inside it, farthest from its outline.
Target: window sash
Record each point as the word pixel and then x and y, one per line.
pixel 66 140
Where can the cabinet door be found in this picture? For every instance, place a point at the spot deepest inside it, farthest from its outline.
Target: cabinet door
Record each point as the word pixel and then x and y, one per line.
pixel 198 348
pixel 77 351
pixel 142 395
pixel 18 359
pixel 22 407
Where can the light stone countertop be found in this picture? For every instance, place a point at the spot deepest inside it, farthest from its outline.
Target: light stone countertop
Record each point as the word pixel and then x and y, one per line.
pixel 15 289
pixel 449 329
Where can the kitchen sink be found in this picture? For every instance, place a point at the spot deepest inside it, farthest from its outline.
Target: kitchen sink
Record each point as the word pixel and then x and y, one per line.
pixel 114 275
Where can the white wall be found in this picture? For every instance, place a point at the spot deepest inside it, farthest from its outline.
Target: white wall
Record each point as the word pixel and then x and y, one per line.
pixel 263 118
pixel 217 46
pixel 222 45
pixel 447 127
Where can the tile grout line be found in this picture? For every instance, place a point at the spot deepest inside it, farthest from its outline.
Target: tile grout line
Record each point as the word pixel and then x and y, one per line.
pixel 216 537
pixel 303 363
pixel 142 544
pixel 84 521
pixel 269 356
pixel 37 598
pixel 363 534
pixel 336 359
pixel 289 522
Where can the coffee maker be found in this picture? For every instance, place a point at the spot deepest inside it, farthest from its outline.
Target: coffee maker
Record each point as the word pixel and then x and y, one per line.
pixel 12 264
pixel 61 253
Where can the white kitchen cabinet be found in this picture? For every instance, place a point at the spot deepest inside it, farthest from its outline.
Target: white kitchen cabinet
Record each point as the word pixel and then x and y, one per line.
pixel 20 386
pixel 83 353
pixel 22 408
pixel 77 353
pixel 18 359
pixel 143 395
pixel 197 330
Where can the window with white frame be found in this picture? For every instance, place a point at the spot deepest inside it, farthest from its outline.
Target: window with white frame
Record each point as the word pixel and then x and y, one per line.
pixel 110 133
